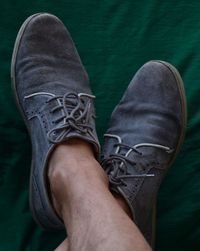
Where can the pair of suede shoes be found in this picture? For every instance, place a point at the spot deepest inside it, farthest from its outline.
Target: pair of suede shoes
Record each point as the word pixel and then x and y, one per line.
pixel 53 94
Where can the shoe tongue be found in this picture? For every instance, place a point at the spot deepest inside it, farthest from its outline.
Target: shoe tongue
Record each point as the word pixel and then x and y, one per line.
pixel 71 104
pixel 122 151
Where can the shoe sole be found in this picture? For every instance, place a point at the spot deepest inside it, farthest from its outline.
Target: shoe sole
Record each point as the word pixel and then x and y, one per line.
pixel 13 85
pixel 181 89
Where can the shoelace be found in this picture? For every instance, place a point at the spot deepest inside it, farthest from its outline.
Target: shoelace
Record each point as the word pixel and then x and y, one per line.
pixel 76 114
pixel 116 165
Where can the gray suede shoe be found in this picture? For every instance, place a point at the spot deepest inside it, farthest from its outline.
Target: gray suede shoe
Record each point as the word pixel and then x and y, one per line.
pixel 145 134
pixel 53 94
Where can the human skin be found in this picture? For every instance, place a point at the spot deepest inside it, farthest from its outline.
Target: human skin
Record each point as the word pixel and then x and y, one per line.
pixel 95 219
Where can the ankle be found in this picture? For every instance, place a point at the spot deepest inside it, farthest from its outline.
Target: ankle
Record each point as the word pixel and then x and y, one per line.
pixel 71 183
pixel 71 150
pixel 72 168
pixel 66 160
pixel 69 155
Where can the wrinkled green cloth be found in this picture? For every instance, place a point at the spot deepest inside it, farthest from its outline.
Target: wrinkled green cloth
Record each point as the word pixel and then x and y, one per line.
pixel 114 38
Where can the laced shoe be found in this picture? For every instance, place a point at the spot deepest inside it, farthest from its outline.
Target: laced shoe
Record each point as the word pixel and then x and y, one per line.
pixel 53 94
pixel 145 134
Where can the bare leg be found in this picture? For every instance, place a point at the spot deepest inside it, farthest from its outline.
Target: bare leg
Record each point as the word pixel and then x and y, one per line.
pixel 64 245
pixel 92 216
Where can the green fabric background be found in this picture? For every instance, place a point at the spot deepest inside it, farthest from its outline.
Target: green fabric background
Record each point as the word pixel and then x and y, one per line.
pixel 114 38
